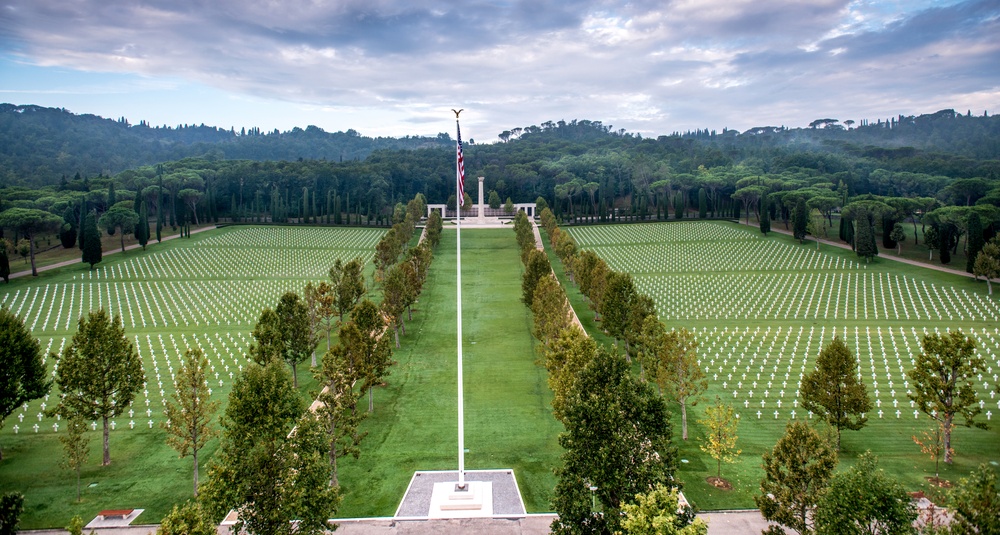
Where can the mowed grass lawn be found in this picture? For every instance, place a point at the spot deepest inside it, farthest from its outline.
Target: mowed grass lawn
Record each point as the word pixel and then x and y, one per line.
pixel 206 291
pixel 508 420
pixel 762 308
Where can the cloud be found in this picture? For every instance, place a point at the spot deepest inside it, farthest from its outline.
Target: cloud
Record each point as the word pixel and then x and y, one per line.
pixel 649 66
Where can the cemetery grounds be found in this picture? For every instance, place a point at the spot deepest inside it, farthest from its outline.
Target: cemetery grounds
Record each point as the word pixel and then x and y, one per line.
pixel 763 307
pixel 208 292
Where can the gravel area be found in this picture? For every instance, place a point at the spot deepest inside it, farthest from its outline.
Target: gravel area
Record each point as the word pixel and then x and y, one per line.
pixel 506 496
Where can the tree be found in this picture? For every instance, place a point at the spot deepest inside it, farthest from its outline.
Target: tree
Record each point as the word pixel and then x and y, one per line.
pixel 11 507
pixel 720 440
pixel 673 365
pixel 100 372
pixel 348 281
pixel 815 225
pixel 29 223
pixel 5 250
pixel 189 519
pixel 942 382
pixel 76 447
pixel 190 410
pixel 508 206
pixel 364 336
pixel 898 235
pixel 91 240
pixel 268 474
pixel 765 215
pixel 796 473
pixel 987 263
pixel 550 310
pixel 657 513
pixel 24 248
pixel 339 410
pixel 565 357
pixel 931 241
pixel 22 370
pixel 142 228
pixel 975 242
pixel 702 204
pixel 864 239
pixel 932 443
pixel 494 199
pixel 617 303
pixel 617 439
pixel 976 503
pixel 800 220
pixel 268 336
pixel 296 334
pixel 121 217
pixel 834 390
pixel 865 500
pixel 535 268
pixel 396 292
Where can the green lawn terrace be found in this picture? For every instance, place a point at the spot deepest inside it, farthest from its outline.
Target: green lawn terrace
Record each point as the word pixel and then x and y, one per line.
pixel 205 292
pixel 762 309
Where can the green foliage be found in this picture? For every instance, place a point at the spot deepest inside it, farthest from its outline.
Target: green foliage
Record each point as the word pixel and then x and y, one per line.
pixel 121 217
pixel 987 264
pixel 11 507
pixel 91 240
pixel 975 502
pixel 270 477
pixel 188 519
pixel 617 303
pixel 974 228
pixel 550 310
pixel 29 222
pixel 76 447
pixel 865 500
pixel 656 513
pixel 508 206
pixel 340 372
pixel 5 247
pixel 535 268
pixel 796 474
pixel 617 439
pixel 942 381
pixel 296 335
pixel 864 239
pixel 142 226
pixel 565 357
pixel 189 412
pixel 834 391
pixel 76 525
pixel 721 425
pixel 494 199
pixel 348 282
pixel 671 359
pixel 765 215
pixel 22 370
pixel 268 337
pixel 99 373
pixel 800 220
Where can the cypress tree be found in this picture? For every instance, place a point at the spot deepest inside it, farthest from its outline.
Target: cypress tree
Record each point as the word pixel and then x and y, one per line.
pixel 142 229
pixel 92 240
pixel 800 220
pixel 866 246
pixel 678 206
pixel 765 216
pixel 944 242
pixel 83 216
pixel 702 204
pixel 975 241
pixel 112 196
pixel 887 225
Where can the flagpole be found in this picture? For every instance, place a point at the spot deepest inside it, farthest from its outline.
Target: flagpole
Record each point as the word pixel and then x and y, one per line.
pixel 458 244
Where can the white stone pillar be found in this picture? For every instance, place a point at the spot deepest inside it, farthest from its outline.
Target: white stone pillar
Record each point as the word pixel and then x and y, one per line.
pixel 482 216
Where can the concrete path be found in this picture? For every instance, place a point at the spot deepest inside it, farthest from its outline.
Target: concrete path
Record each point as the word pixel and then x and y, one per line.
pixel 103 255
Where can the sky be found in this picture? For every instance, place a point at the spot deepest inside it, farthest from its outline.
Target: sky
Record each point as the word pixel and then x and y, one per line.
pixel 397 67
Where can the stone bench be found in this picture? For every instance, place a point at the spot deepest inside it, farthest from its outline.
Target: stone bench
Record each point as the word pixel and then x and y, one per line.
pixel 123 513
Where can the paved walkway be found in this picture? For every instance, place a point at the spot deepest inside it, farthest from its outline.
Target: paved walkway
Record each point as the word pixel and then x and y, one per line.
pixel 937 267
pixel 103 255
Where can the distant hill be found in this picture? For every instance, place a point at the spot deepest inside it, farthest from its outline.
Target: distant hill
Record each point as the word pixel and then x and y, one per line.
pixel 39 145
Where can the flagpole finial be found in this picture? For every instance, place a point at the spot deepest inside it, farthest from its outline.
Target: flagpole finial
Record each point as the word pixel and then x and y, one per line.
pixel 457 112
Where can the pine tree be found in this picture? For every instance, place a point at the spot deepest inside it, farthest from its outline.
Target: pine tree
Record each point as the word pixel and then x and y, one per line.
pixel 189 412
pixel 142 228
pixel 765 215
pixel 865 244
pixel 91 237
pixel 834 391
pixel 898 235
pixel 23 370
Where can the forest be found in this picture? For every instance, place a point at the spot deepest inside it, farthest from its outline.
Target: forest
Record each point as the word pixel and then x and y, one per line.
pixel 933 169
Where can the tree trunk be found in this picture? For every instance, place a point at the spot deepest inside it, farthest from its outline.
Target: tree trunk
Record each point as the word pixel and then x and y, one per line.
pixel 122 237
pixel 194 454
pixel 295 376
pixel 684 418
pixel 396 330
pixel 333 455
pixel 107 436
pixel 31 244
pixel 947 437
pixel 371 402
pixel 314 357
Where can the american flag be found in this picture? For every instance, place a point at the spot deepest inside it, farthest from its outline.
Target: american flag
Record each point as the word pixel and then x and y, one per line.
pixel 460 167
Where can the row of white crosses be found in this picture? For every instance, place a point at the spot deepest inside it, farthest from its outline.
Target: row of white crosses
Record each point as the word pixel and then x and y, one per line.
pixel 54 308
pixel 828 296
pixel 744 366
pixel 162 358
pixel 290 237
pixel 659 233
